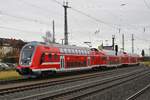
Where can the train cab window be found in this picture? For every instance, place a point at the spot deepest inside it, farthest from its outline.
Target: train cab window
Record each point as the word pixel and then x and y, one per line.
pixel 26 55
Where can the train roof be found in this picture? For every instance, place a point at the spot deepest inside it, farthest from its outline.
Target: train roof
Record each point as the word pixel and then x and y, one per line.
pixel 57 45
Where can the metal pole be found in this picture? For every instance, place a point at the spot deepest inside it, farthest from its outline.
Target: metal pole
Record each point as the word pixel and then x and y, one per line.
pixel 149 51
pixel 113 41
pixel 53 31
pixel 123 42
pixel 65 23
pixel 62 41
pixel 132 43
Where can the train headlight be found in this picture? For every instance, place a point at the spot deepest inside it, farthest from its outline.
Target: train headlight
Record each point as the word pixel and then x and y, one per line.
pixel 29 63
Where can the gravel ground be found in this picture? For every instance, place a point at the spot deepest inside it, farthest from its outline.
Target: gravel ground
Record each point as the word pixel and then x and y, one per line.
pixel 121 91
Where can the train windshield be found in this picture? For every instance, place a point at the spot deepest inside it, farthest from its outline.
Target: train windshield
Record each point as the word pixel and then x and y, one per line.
pixel 26 55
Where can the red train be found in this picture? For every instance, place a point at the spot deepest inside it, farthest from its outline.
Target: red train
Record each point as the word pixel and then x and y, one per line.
pixel 42 59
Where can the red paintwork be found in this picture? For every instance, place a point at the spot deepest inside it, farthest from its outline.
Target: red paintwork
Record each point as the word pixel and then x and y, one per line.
pixel 97 58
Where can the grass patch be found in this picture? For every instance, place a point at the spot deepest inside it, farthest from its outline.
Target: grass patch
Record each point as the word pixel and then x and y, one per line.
pixel 10 74
pixel 146 63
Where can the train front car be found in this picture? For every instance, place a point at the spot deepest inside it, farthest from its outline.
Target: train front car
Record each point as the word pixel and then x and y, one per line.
pixel 26 59
pixel 38 59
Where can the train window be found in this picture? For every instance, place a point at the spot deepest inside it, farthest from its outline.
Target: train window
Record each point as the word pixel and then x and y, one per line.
pixel 76 51
pixel 73 51
pixel 88 52
pixel 82 52
pixel 85 52
pixel 61 50
pixel 50 56
pixel 79 51
pixel 65 50
pixel 69 50
pixel 55 56
pixel 42 58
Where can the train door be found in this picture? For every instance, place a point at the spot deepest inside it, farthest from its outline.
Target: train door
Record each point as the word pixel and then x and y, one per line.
pixel 88 61
pixel 62 62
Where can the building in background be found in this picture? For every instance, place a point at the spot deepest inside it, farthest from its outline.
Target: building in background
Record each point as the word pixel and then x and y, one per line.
pixel 10 49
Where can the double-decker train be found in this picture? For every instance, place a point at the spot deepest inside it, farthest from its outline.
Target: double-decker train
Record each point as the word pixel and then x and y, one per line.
pixel 42 59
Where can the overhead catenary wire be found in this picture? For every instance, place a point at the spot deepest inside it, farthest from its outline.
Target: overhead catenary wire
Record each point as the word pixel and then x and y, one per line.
pixel 139 38
pixel 36 6
pixel 16 29
pixel 79 11
pixel 88 15
pixel 57 2
pixel 23 18
pixel 146 4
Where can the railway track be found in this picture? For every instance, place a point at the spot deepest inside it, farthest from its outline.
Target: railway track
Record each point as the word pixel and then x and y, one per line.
pixel 85 89
pixel 51 82
pixel 77 91
pixel 24 79
pixel 58 75
pixel 139 93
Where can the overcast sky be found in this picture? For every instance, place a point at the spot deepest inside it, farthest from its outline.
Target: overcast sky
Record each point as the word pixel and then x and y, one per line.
pixel 30 19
